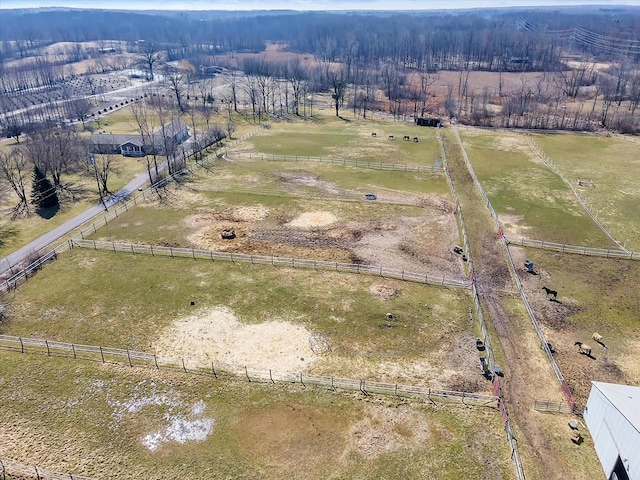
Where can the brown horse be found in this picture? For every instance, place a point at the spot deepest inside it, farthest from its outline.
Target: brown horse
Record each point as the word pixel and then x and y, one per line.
pixel 583 348
pixel 553 293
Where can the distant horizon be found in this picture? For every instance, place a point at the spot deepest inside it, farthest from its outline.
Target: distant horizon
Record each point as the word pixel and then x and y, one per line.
pixel 305 5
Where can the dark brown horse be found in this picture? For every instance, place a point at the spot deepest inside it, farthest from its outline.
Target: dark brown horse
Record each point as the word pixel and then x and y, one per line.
pixel 553 293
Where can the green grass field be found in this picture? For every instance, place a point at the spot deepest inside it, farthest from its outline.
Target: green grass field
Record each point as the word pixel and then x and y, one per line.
pixel 328 136
pixel 533 201
pixel 106 421
pixel 614 166
pixel 125 301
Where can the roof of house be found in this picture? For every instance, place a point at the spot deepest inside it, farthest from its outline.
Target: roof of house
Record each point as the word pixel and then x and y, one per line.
pixel 170 130
pixel 113 139
pixel 625 398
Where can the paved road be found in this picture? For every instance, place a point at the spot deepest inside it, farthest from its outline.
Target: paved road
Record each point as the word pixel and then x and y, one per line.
pixel 61 230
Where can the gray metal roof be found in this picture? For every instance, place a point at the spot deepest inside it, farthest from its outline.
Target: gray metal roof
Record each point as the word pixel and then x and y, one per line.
pixel 625 398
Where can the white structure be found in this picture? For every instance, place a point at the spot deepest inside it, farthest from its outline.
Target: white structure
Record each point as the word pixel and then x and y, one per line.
pixel 612 415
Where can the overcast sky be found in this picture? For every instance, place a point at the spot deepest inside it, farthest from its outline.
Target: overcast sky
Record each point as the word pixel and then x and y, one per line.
pixel 300 4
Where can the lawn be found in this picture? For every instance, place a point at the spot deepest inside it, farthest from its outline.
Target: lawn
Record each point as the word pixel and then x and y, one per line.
pixel 531 200
pixel 328 136
pixel 15 233
pixel 613 164
pixel 127 423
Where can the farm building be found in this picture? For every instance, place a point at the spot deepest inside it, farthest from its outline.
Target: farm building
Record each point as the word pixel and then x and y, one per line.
pixel 163 139
pixel 612 415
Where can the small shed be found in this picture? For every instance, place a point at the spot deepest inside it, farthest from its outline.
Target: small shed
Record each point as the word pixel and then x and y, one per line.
pixel 612 415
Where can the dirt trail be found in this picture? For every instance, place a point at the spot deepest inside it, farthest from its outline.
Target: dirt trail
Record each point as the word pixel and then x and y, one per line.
pixel 527 376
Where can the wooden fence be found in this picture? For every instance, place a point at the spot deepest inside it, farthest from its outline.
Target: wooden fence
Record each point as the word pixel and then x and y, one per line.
pixel 211 255
pixel 337 161
pixel 135 358
pixel 580 250
pixel 10 469
pixel 553 407
pixel 511 439
pixel 545 345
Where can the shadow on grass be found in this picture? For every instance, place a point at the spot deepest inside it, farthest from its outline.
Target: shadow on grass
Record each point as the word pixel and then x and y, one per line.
pixel 48 213
pixel 7 233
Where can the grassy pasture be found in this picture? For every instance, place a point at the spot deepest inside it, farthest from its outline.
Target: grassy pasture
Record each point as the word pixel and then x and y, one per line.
pixel 532 201
pixel 614 165
pixel 596 295
pixel 328 136
pixel 126 301
pixel 105 416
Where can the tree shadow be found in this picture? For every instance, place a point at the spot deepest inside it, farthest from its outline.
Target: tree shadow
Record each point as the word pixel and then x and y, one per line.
pixel 7 232
pixel 48 213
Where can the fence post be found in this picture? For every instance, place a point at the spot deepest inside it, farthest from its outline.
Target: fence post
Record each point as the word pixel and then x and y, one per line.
pixel 333 387
pixel 183 366
pixel 301 381
pixel 129 358
pixel 101 354
pixel 132 251
pixel 46 342
pixel 155 360
pixel 247 373
pixel 21 345
pixel 213 370
pixel 271 377
pixel 73 347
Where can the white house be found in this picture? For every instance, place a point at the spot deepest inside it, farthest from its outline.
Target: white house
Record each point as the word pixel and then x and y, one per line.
pixel 612 415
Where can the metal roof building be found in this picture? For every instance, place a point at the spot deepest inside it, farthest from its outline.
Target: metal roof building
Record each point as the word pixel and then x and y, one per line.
pixel 612 415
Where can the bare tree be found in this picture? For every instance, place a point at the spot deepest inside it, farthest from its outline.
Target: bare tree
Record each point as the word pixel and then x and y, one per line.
pixel 15 170
pixel 78 109
pixel 177 85
pixel 100 165
pixel 150 57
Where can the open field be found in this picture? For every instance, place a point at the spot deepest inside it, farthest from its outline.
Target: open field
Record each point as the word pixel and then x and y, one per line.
pixel 127 423
pixel 598 295
pixel 258 316
pixel 306 211
pixel 613 164
pixel 529 198
pixel 329 136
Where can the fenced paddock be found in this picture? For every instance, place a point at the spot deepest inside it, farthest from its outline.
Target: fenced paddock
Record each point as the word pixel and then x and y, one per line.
pixel 144 359
pixel 575 249
pixel 508 428
pixel 10 469
pixel 196 254
pixel 335 161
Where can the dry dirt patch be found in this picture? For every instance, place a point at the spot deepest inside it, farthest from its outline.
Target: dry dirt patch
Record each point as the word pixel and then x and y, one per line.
pixel 313 219
pixel 384 430
pixel 216 335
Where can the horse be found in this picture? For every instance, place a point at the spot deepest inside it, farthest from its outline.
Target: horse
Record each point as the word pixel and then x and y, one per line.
pixel 553 293
pixel 597 337
pixel 583 348
pixel 374 134
pixel 406 138
pixel 390 137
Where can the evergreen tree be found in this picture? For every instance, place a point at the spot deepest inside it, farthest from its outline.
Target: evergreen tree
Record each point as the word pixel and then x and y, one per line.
pixel 43 194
